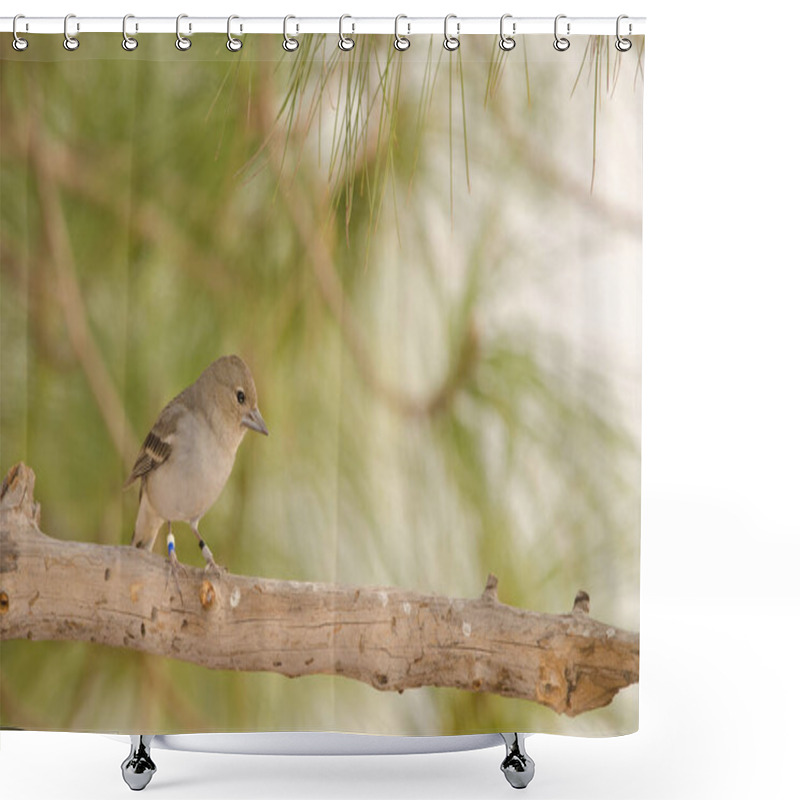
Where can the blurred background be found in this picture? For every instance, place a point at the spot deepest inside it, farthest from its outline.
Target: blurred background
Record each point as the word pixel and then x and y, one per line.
pixel 431 263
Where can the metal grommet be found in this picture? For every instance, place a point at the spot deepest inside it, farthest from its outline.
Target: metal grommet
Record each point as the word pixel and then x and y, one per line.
pixel 290 44
pixel 128 42
pixel 233 44
pixel 70 42
pixel 401 43
pixel 451 42
pixel 561 43
pixel 623 45
pixel 19 44
pixel 507 42
pixel 181 42
pixel 345 42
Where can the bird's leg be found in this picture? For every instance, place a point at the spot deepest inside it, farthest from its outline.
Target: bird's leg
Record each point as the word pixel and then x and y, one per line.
pixel 211 565
pixel 176 565
pixel 177 569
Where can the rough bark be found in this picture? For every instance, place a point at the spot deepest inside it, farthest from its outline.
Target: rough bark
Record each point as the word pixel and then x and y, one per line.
pixel 389 638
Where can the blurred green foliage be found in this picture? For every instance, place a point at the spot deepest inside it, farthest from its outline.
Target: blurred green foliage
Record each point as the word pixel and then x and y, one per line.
pixel 403 248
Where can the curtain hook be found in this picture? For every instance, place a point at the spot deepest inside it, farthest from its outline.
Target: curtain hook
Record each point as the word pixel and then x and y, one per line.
pixel 507 42
pixel 623 45
pixel 128 42
pixel 70 42
pixel 182 43
pixel 345 42
pixel 561 43
pixel 233 44
pixel 451 42
pixel 290 44
pixel 401 42
pixel 19 43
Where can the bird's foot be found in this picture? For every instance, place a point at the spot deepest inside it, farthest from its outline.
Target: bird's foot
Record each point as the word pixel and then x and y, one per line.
pixel 212 568
pixel 177 571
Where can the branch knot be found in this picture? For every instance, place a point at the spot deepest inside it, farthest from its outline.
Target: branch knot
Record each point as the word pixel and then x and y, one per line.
pixel 16 493
pixel 490 590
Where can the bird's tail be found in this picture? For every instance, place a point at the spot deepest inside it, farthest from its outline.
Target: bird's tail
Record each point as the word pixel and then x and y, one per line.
pixel 148 524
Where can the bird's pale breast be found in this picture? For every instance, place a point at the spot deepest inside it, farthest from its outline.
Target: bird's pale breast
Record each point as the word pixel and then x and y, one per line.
pixel 190 481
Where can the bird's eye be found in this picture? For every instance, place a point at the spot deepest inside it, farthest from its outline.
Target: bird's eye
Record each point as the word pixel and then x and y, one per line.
pixel 240 397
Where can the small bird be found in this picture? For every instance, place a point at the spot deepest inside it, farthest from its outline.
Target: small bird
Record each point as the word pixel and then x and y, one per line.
pixel 188 455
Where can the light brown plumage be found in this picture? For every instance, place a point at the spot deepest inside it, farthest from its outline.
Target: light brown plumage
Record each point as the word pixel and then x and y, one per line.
pixel 189 452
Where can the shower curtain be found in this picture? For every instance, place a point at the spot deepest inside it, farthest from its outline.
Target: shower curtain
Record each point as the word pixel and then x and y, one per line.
pixel 430 262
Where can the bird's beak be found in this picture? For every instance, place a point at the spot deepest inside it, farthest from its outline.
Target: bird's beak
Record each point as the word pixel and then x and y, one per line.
pixel 253 420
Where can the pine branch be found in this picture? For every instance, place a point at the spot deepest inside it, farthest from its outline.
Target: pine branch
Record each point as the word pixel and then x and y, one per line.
pixel 389 638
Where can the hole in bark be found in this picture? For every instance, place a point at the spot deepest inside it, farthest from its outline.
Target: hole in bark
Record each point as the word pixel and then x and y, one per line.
pixel 207 594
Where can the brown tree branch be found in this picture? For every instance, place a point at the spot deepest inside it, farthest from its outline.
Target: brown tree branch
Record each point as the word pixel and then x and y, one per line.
pixel 389 638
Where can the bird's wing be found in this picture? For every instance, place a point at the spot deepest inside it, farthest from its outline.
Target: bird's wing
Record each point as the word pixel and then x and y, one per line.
pixel 157 445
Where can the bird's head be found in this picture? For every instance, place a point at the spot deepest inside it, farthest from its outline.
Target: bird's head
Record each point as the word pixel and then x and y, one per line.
pixel 235 392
